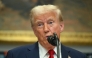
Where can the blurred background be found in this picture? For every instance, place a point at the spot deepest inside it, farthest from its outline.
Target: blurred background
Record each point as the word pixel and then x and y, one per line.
pixel 15 27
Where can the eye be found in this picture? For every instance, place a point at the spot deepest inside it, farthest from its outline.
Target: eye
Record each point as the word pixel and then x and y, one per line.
pixel 50 22
pixel 40 24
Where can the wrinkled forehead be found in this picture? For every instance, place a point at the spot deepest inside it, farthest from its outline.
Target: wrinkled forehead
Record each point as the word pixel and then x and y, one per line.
pixel 46 16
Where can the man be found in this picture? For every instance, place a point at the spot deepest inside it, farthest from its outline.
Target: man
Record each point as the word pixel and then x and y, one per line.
pixel 45 20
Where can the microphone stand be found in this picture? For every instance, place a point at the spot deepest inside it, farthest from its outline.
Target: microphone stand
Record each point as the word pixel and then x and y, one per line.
pixel 57 44
pixel 58 49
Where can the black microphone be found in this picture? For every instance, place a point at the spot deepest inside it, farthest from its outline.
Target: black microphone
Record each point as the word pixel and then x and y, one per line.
pixel 53 39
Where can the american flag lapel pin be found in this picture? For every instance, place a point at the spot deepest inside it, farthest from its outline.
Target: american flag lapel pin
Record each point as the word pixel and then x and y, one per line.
pixel 69 56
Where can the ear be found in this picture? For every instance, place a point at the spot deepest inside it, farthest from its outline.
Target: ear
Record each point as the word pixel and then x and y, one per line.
pixel 61 26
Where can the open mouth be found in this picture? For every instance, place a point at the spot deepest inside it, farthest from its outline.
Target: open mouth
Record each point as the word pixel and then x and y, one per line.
pixel 48 36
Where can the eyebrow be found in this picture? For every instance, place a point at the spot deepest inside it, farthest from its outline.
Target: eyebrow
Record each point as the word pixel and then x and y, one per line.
pixel 38 21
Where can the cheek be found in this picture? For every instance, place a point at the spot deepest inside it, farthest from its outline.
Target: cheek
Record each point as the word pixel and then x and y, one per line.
pixel 55 28
pixel 39 33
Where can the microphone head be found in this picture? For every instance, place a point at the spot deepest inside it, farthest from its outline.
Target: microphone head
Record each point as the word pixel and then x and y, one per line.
pixel 52 40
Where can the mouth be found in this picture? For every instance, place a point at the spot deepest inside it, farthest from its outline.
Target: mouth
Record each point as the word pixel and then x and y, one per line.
pixel 48 36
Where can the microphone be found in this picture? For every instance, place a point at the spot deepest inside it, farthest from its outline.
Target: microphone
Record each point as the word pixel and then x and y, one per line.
pixel 53 39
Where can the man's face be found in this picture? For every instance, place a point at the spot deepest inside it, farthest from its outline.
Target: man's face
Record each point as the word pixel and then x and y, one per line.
pixel 45 25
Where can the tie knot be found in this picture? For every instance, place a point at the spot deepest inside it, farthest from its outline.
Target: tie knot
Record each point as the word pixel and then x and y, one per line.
pixel 51 52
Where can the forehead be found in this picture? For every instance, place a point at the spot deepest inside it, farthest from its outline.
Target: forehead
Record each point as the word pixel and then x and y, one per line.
pixel 45 15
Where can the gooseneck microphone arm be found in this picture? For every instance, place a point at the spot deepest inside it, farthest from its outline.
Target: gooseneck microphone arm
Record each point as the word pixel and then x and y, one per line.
pixel 54 40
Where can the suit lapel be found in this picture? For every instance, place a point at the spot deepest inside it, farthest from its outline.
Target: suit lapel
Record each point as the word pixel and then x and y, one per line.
pixel 64 52
pixel 33 51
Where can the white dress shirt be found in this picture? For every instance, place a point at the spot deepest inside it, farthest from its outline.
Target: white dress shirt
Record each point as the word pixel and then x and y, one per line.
pixel 43 53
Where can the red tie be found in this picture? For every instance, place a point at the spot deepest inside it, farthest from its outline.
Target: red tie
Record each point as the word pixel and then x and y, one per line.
pixel 51 53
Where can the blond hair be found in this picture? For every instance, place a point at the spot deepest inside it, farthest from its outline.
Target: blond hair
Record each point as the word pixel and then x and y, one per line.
pixel 41 9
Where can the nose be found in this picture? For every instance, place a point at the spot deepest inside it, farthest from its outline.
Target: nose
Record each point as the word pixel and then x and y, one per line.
pixel 46 28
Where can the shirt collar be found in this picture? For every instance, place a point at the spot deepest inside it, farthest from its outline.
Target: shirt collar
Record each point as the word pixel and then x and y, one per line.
pixel 43 51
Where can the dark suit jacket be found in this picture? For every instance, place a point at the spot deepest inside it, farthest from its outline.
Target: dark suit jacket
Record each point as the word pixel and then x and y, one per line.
pixel 32 51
